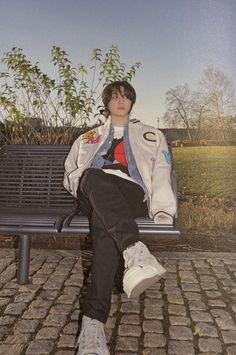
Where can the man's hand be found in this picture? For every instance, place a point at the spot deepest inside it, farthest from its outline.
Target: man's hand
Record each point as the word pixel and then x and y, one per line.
pixel 163 218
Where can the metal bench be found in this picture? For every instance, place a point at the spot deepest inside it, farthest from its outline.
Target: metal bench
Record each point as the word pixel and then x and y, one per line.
pixel 33 200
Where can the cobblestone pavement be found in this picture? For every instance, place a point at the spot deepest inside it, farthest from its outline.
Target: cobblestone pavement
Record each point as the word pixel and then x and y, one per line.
pixel 191 311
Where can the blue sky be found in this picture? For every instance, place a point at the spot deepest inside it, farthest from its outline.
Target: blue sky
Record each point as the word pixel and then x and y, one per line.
pixel 175 40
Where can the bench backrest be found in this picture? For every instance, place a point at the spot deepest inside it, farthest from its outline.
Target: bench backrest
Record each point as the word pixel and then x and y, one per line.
pixel 32 175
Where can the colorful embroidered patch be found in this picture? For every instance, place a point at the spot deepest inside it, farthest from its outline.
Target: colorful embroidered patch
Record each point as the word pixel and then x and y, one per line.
pixel 149 136
pixel 167 156
pixel 91 138
pixel 88 135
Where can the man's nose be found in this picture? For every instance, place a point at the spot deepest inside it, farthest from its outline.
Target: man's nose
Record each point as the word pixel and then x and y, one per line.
pixel 121 98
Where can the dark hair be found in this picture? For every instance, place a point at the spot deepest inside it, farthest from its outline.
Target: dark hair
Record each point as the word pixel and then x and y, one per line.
pixel 112 88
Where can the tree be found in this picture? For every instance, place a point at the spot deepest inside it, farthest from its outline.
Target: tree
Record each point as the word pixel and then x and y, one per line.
pixel 179 108
pixel 39 109
pixel 217 90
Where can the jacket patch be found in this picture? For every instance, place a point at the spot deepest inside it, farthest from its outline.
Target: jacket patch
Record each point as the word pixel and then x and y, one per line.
pixel 91 137
pixel 167 156
pixel 149 136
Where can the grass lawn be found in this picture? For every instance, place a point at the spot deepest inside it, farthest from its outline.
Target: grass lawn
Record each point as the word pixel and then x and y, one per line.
pixel 207 171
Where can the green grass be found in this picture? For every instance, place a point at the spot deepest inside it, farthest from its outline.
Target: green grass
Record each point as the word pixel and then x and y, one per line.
pixel 209 171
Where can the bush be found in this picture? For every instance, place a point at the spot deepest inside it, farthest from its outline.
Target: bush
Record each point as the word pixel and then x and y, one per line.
pixel 37 109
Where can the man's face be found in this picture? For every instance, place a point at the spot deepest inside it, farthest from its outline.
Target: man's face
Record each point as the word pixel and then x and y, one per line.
pixel 119 104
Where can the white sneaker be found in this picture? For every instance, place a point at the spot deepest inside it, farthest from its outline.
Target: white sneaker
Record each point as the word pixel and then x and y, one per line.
pixel 92 338
pixel 142 270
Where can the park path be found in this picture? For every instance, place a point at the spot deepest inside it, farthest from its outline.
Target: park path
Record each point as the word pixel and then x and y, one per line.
pixel 191 311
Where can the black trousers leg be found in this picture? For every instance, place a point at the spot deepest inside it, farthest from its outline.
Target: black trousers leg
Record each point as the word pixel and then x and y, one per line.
pixel 115 203
pixel 106 260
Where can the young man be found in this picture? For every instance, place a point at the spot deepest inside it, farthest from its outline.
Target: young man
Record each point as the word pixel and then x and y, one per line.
pixel 118 171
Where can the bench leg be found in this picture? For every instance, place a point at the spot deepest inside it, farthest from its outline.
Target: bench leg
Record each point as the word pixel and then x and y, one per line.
pixel 24 259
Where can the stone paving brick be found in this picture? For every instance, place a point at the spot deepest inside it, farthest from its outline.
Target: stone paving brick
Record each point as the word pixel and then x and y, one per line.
pixel 180 333
pixel 35 313
pixel 40 347
pixel 4 331
pixel 7 292
pixel 15 309
pixel 67 299
pixel 209 286
pixel 207 330
pixel 71 290
pixel 4 301
pixel 151 312
pixel 7 320
pixel 55 320
pixel 29 288
pixel 229 336
pixel 24 297
pixel 152 326
pixel 71 328
pixel 194 296
pixel 223 319
pixel 48 295
pixel 129 330
pixel 178 320
pixel 231 350
pixel 179 310
pixel 171 284
pixel 175 298
pixel 126 344
pixel 130 319
pixel 48 333
pixel 155 302
pixel 216 303
pixel 190 287
pixel 39 280
pixel 180 347
pixel 152 340
pixel 26 326
pixel 210 344
pixel 130 307
pixel 18 338
pixel 188 277
pixel 196 305
pixel 61 308
pixel 201 316
pixel 213 294
pixel 12 349
pixel 207 279
pixel 153 294
pixel 67 341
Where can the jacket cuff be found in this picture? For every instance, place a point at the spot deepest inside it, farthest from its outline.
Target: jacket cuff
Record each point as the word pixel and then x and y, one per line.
pixel 162 217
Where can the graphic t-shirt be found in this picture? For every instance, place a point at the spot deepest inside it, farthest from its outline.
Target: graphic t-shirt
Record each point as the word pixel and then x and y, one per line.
pixel 114 160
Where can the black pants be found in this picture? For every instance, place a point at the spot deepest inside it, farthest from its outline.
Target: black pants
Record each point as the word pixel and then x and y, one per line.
pixel 112 204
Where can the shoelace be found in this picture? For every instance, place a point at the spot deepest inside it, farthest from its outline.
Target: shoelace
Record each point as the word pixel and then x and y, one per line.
pixel 92 334
pixel 136 257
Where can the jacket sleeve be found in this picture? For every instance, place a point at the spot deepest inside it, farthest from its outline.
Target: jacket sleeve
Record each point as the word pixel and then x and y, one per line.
pixel 72 170
pixel 163 202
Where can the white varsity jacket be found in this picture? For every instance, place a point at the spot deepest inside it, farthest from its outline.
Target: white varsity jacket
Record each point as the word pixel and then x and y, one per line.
pixel 151 155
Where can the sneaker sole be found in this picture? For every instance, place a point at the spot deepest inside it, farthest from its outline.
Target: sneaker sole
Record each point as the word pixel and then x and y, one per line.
pixel 141 280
